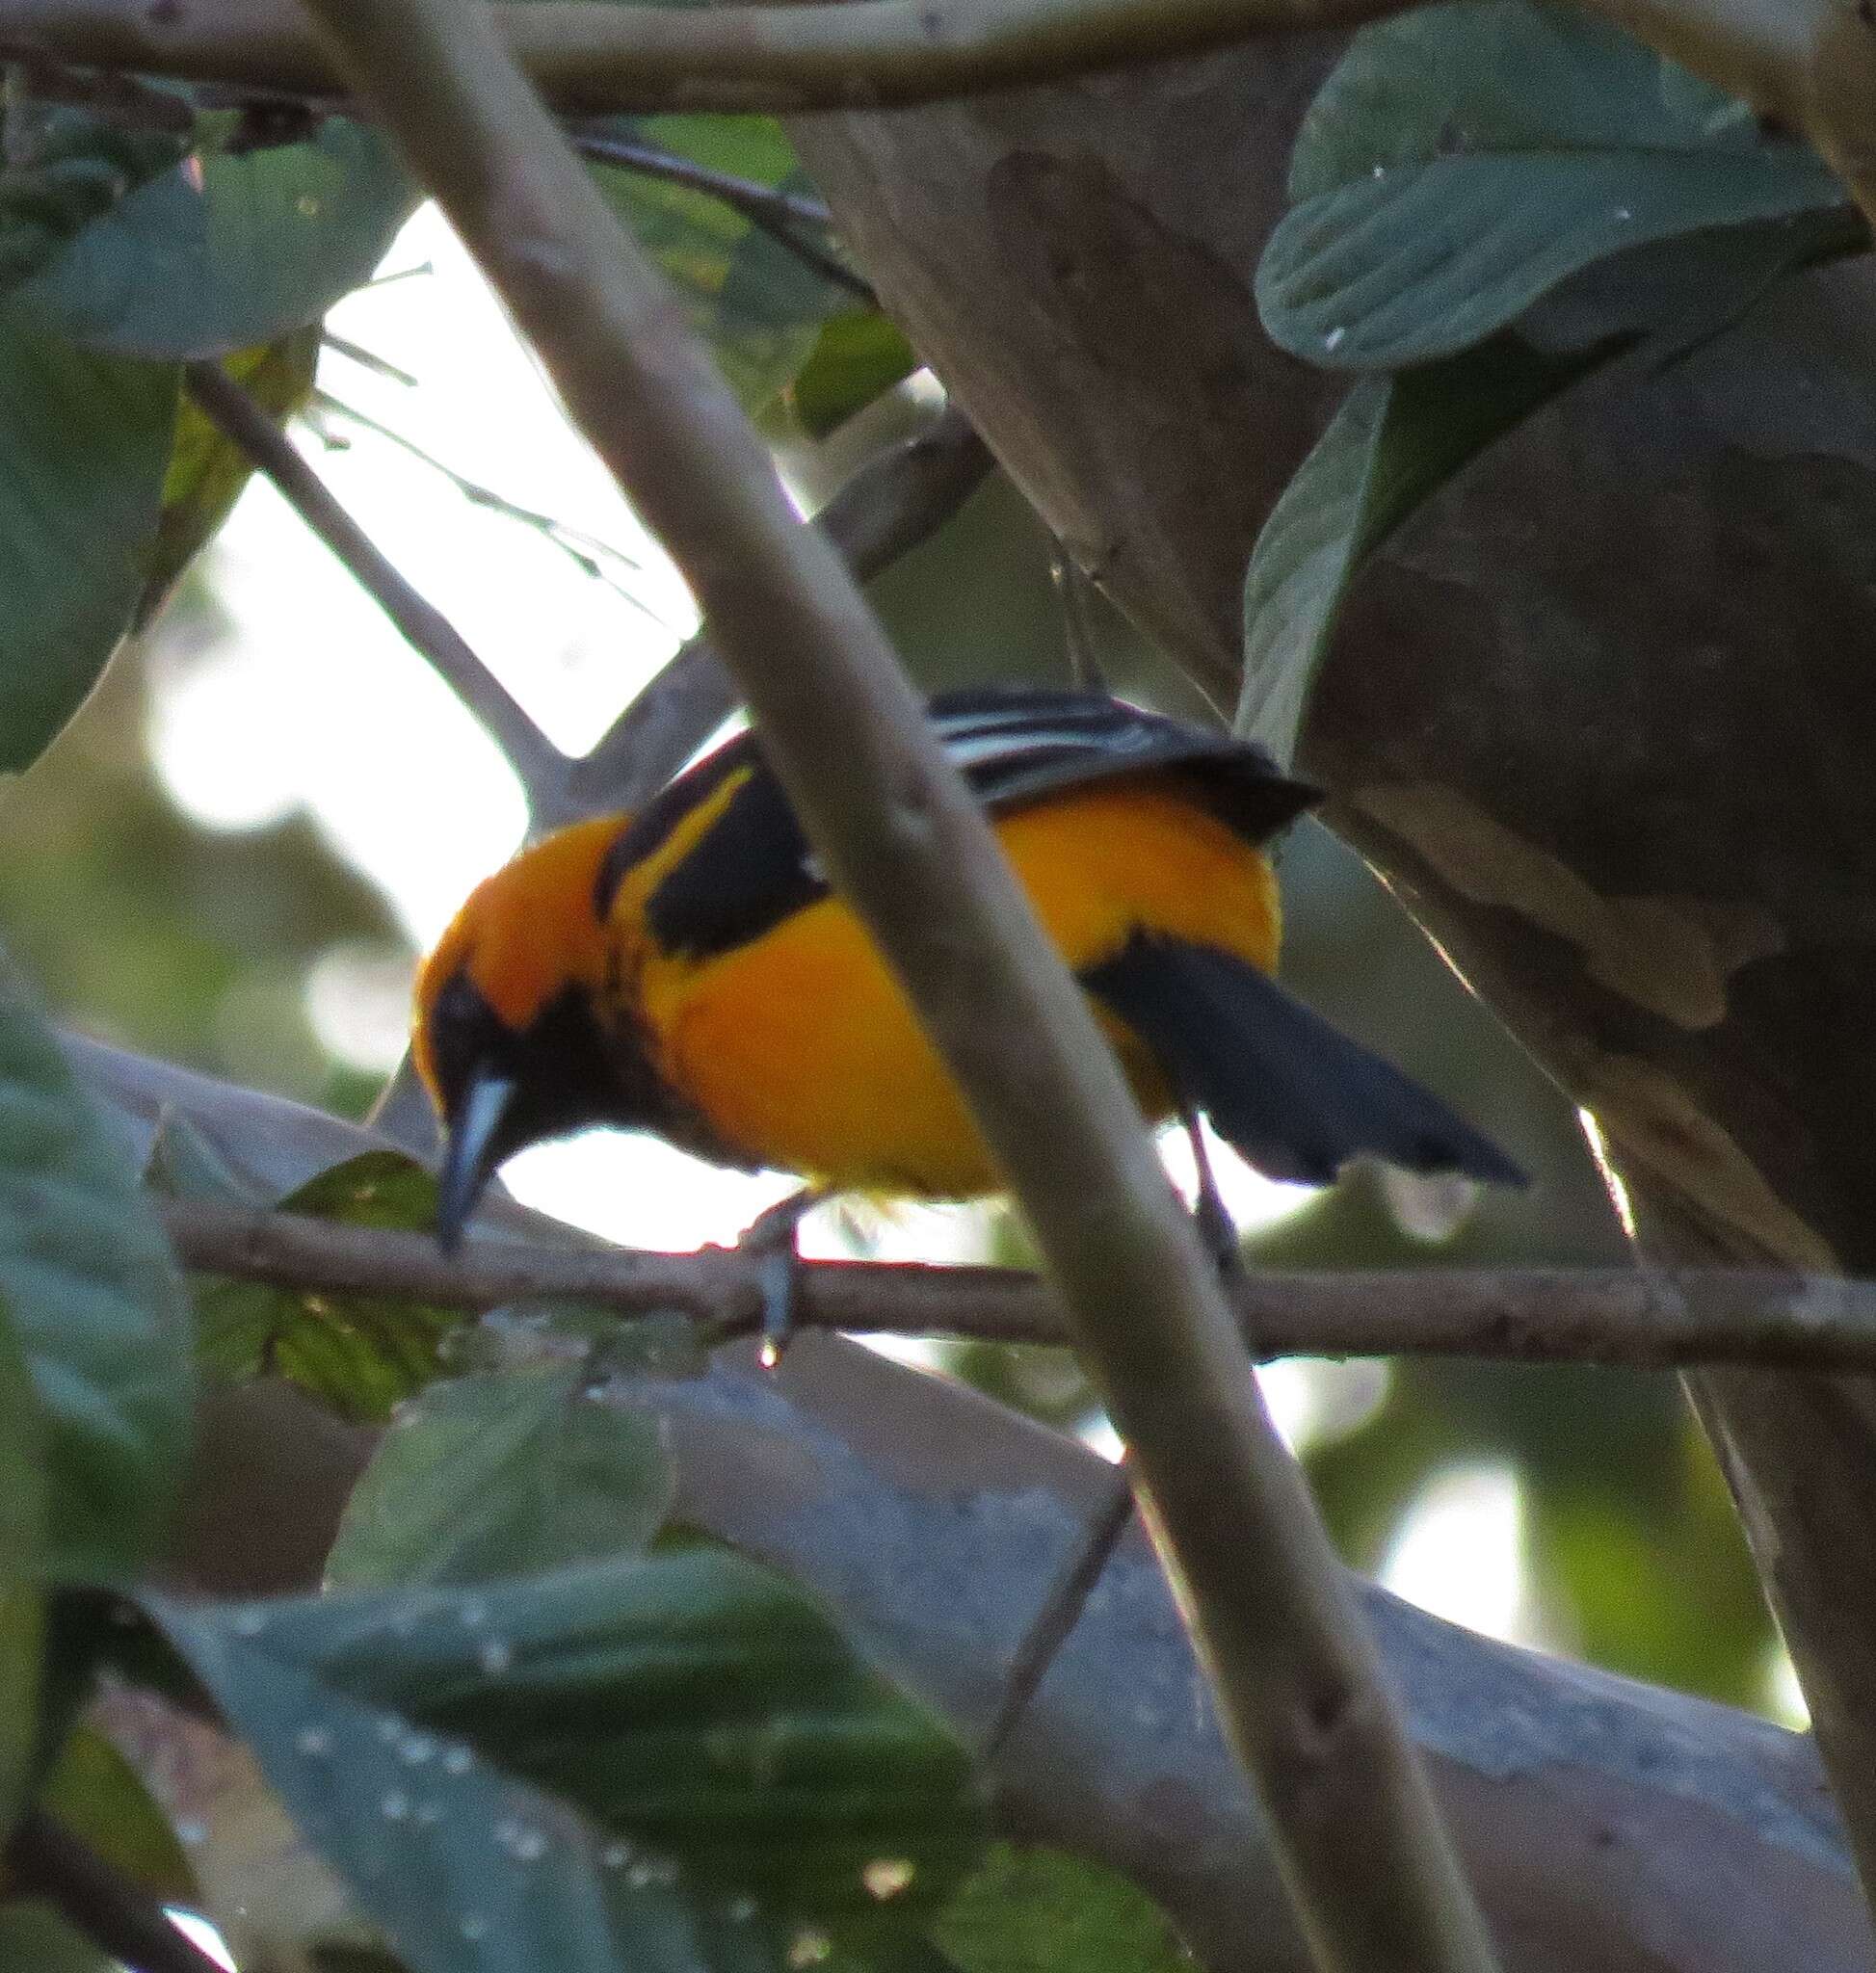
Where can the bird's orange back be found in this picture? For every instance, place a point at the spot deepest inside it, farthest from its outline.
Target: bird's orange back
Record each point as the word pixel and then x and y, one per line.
pixel 801 1048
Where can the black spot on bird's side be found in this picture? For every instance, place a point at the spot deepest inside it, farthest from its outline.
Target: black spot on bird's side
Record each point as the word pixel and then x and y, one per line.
pixel 1292 1094
pixel 650 829
pixel 749 871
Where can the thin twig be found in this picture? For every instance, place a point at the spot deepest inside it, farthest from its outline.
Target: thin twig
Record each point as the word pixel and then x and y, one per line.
pixel 892 504
pixel 587 552
pixel 111 1910
pixel 539 765
pixel 746 195
pixel 1070 587
pixel 781 214
pixel 1641 1319
pixel 1302 1694
pixel 366 359
pixel 1059 1611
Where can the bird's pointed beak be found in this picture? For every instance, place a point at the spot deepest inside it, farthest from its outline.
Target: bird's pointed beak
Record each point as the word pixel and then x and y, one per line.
pixel 468 1155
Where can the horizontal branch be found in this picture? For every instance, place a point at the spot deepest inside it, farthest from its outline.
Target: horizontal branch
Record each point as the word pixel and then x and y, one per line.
pixel 1643 1320
pixel 594 58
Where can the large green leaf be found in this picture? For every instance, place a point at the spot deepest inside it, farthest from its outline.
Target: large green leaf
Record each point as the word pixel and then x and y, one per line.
pixel 65 167
pixel 86 1276
pixel 466 1869
pixel 361 1354
pixel 674 1759
pixel 232 248
pixel 502 1476
pixel 1465 160
pixel 1395 440
pixel 84 441
pixel 759 305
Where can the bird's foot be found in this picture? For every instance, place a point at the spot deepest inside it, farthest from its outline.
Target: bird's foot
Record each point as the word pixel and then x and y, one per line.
pixel 1216 1228
pixel 770 1241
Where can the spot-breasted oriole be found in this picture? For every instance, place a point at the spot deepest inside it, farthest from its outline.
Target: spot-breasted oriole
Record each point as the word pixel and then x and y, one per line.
pixel 687 970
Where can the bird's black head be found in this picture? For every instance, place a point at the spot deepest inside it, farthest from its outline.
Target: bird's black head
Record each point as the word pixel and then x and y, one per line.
pixel 500 1088
pixel 508 1034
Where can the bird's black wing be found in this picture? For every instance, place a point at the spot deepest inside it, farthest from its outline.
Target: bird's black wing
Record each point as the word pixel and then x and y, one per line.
pixel 754 867
pixel 1013 745
pixel 1292 1094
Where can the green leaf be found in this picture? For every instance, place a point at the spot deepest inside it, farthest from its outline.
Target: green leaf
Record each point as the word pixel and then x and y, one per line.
pixel 86 1276
pixel 66 168
pixel 857 357
pixel 502 1476
pixel 183 1163
pixel 98 1796
pixel 232 249
pixel 463 1868
pixel 35 1936
pixel 206 471
pixel 1038 1910
pixel 663 1761
pixel 361 1354
pixel 1465 160
pixel 85 438
pixel 759 305
pixel 1393 444
pixel 22 1612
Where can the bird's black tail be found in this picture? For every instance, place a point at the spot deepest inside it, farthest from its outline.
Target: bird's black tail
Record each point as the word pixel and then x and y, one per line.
pixel 1281 1085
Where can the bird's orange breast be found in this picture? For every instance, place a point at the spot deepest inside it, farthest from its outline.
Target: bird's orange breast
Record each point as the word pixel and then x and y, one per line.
pixel 800 1051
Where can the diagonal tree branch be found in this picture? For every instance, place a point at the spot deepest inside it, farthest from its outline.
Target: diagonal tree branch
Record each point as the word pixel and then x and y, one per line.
pixel 539 765
pixel 1643 1319
pixel 1298 1676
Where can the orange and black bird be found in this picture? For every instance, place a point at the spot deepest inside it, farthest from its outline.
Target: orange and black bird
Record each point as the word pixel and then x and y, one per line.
pixel 688 970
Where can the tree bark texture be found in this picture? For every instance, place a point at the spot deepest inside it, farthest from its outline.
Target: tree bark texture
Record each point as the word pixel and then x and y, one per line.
pixel 1603 714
